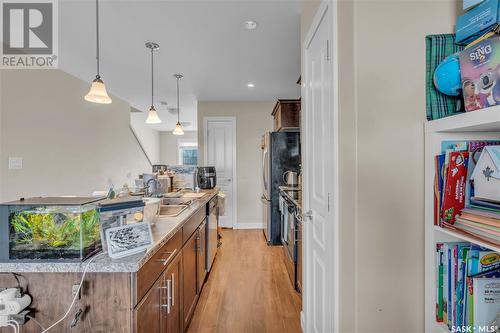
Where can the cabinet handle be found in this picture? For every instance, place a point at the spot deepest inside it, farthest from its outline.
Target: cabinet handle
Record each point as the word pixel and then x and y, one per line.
pixel 170 255
pixel 168 296
pixel 173 289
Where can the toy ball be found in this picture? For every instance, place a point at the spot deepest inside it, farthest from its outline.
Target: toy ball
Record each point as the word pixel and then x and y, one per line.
pixel 447 76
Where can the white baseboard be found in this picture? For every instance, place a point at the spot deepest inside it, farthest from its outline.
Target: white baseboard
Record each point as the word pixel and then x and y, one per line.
pixel 249 226
pixel 302 321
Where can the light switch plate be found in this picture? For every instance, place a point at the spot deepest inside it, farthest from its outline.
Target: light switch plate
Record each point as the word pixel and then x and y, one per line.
pixel 15 163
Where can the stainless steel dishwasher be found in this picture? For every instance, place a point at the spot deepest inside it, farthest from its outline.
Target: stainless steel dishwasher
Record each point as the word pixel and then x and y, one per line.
pixel 211 235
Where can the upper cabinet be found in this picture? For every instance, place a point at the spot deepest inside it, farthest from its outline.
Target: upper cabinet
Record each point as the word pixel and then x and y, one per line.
pixel 286 114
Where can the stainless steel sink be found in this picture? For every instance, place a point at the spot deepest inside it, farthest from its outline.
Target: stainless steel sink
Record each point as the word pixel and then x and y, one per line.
pixel 172 210
pixel 176 201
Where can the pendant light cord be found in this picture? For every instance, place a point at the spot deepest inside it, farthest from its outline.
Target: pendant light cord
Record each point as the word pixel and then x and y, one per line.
pixel 152 76
pixel 97 35
pixel 178 109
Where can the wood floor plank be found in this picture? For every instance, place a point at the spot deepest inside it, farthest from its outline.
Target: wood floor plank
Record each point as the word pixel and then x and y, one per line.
pixel 248 289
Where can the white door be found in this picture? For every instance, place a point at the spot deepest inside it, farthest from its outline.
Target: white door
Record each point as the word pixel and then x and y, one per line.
pixel 220 151
pixel 319 232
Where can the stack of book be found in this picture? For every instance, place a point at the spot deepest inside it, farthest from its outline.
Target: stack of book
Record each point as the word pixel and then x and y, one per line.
pixel 480 221
pixel 468 287
pixel 455 203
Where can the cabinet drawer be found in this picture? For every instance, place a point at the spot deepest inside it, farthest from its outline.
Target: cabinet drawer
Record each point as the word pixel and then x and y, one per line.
pixel 194 222
pixel 152 269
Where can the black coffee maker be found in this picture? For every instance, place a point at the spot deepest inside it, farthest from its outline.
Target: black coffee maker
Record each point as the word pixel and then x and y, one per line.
pixel 207 178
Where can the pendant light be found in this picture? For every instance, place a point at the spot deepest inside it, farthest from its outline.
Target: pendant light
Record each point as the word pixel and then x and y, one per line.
pixel 153 117
pixel 178 127
pixel 97 93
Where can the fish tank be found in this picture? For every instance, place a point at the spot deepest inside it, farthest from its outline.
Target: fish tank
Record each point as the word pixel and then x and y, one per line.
pixel 50 229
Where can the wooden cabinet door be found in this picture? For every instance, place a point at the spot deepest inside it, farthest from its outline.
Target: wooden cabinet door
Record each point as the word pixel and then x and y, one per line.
pixel 189 278
pixel 201 255
pixel 171 313
pixel 147 314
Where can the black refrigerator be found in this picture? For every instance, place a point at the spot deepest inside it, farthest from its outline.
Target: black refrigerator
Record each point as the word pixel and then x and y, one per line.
pixel 280 153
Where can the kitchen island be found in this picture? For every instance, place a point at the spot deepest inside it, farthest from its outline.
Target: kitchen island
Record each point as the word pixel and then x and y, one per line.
pixel 154 291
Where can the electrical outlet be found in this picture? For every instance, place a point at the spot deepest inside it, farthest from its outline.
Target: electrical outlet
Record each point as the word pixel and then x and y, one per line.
pixel 74 290
pixel 15 163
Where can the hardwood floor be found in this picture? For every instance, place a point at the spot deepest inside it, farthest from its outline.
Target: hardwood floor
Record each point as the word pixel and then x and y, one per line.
pixel 248 289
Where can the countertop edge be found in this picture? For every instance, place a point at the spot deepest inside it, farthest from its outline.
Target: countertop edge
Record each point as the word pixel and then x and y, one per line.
pixel 130 264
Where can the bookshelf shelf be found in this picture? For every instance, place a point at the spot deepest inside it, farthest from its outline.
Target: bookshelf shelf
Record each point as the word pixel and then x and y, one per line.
pixel 476 125
pixel 467 238
pixel 486 120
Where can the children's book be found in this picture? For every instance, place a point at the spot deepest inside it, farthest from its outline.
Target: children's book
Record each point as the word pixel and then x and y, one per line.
pixel 439 282
pixel 486 301
pixel 463 251
pixel 482 260
pixel 454 188
pixel 446 283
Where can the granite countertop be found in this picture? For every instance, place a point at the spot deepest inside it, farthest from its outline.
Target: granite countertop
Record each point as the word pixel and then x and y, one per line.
pixel 162 230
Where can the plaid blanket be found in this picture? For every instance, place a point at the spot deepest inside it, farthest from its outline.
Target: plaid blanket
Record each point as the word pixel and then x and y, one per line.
pixel 437 48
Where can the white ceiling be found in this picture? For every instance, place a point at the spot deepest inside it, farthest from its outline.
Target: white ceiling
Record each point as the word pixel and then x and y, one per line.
pixel 204 40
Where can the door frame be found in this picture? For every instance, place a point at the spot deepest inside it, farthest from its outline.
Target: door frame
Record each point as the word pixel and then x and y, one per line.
pixel 330 8
pixel 205 155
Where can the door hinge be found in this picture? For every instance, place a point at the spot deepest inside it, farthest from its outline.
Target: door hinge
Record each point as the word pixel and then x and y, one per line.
pixel 327 50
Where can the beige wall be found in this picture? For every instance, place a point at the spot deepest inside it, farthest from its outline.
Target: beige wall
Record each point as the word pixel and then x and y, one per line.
pixel 69 146
pixel 390 81
pixel 2 160
pixel 382 111
pixel 148 137
pixel 253 119
pixel 168 146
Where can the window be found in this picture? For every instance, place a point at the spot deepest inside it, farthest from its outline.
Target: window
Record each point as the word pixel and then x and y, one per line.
pixel 188 152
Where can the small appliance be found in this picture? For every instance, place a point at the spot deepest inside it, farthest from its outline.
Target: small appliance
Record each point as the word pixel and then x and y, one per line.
pixel 291 178
pixel 207 177
pixel 159 168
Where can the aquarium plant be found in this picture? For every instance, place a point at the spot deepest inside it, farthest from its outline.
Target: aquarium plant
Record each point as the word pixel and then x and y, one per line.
pixel 54 232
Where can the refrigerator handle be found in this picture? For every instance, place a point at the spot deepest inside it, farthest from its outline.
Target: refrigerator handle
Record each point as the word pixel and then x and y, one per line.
pixel 264 156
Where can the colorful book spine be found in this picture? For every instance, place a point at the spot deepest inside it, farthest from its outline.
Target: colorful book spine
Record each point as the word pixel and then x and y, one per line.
pixel 439 282
pixel 454 188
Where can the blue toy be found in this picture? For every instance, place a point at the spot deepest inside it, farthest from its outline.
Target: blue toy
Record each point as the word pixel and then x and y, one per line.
pixel 447 76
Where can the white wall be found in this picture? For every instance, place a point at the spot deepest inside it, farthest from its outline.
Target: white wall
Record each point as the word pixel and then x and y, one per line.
pixel 148 137
pixel 69 146
pixel 169 144
pixel 253 119
pixel 382 112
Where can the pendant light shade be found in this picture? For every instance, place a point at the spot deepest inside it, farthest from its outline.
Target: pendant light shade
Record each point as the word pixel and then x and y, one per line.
pixel 97 93
pixel 178 127
pixel 153 117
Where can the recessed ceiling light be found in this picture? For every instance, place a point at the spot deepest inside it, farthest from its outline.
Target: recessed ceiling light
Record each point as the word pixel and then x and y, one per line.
pixel 250 85
pixel 250 25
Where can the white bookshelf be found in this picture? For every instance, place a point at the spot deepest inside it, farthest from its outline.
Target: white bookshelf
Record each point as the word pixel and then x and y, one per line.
pixel 476 125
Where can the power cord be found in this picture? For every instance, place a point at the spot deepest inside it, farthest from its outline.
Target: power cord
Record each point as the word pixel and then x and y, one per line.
pixel 36 322
pixel 14 327
pixel 14 324
pixel 76 294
